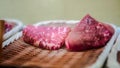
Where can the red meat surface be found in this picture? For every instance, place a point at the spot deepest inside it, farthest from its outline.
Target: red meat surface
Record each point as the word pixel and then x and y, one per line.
pixel 88 34
pixel 8 26
pixel 46 37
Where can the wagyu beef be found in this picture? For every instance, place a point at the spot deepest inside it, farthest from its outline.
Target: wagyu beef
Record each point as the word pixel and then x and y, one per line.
pixel 46 37
pixel 88 34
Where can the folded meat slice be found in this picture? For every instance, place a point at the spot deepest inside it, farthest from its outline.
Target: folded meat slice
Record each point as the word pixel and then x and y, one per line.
pixel 88 34
pixel 47 37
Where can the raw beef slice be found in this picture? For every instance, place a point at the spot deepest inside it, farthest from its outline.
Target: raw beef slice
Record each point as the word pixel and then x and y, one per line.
pixel 88 34
pixel 47 37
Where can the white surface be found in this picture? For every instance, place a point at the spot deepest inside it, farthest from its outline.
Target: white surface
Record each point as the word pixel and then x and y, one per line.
pixel 112 58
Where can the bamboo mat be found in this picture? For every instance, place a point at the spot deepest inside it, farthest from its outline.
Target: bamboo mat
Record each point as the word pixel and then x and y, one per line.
pixel 21 54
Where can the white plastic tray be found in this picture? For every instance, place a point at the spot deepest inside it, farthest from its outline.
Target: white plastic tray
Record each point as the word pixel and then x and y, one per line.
pixel 112 58
pixel 101 58
pixel 18 26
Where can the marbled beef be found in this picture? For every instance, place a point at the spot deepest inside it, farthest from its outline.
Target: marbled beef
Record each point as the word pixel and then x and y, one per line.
pixel 88 34
pixel 47 37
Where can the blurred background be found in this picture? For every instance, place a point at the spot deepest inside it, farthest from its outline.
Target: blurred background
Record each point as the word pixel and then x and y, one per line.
pixel 32 11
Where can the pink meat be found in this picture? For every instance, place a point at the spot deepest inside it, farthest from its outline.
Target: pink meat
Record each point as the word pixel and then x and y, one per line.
pixel 88 34
pixel 46 37
pixel 8 26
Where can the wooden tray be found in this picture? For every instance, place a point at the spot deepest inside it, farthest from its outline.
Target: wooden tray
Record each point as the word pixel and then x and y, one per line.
pixel 21 54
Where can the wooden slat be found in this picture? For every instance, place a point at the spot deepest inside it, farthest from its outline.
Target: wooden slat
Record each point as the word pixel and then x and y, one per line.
pixel 21 54
pixel 1 34
pixel 118 56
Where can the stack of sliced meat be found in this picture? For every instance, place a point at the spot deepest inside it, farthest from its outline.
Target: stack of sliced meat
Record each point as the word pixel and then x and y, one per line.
pixel 87 34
